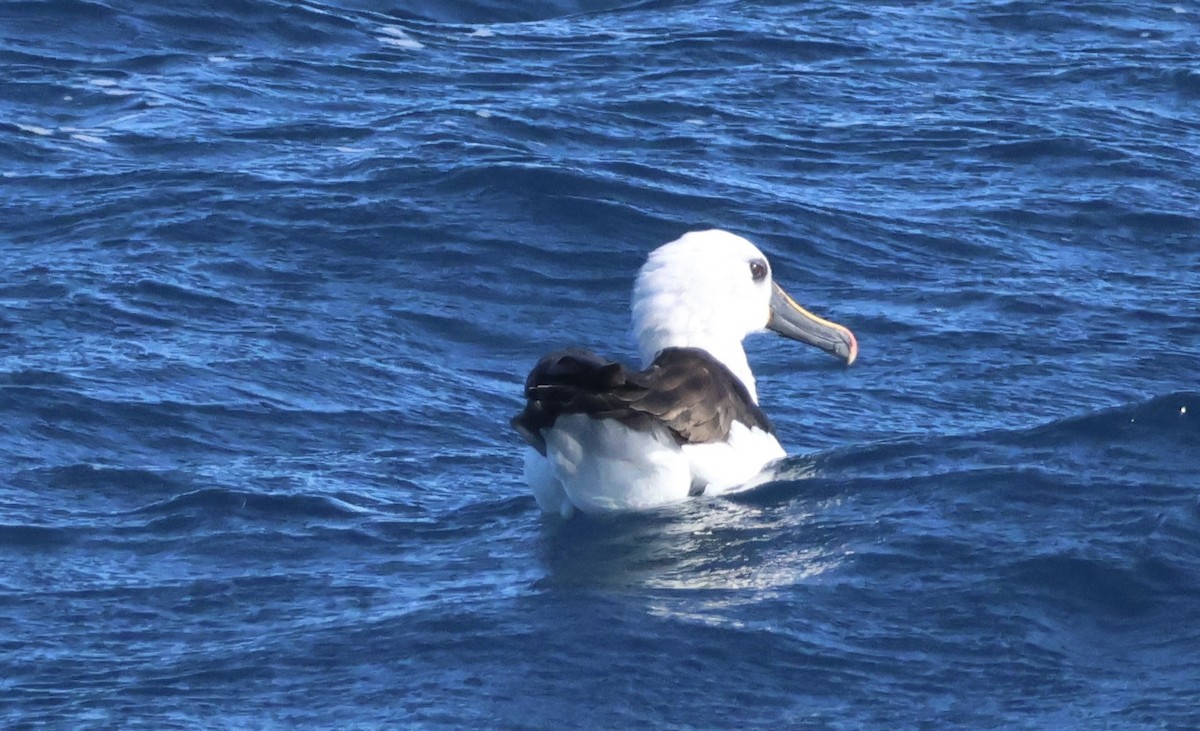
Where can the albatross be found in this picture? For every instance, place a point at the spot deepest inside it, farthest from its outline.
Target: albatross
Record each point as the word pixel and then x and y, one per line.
pixel 604 437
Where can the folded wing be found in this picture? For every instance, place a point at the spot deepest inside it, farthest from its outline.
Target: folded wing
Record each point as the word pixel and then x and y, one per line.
pixel 685 391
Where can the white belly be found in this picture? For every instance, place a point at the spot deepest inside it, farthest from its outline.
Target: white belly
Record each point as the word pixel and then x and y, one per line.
pixel 600 465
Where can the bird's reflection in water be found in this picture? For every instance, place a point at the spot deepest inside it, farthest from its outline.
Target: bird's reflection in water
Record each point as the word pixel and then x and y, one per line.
pixel 727 550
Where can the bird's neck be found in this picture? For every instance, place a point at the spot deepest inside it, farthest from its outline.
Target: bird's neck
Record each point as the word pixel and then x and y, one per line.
pixel 728 351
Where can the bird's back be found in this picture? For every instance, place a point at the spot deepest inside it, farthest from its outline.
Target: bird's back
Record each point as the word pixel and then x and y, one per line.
pixel 616 438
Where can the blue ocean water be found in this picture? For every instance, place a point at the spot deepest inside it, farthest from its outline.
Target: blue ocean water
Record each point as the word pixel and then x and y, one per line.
pixel 271 275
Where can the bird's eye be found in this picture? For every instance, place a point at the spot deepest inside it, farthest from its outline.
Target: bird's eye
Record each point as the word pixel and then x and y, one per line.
pixel 758 270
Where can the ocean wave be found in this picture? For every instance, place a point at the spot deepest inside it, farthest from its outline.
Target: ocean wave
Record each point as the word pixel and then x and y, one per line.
pixel 275 273
pixel 1162 421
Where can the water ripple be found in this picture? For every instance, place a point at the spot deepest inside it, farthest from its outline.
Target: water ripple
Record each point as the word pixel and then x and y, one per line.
pixel 276 271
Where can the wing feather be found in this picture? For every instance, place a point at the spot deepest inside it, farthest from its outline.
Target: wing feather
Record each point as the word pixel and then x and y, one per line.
pixel 685 390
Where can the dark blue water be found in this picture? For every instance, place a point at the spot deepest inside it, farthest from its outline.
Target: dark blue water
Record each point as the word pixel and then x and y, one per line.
pixel 271 275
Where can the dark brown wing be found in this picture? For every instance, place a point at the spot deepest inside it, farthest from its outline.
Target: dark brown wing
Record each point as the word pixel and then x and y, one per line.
pixel 697 397
pixel 687 391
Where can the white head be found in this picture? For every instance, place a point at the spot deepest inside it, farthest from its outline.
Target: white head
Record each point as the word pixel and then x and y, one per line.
pixel 709 290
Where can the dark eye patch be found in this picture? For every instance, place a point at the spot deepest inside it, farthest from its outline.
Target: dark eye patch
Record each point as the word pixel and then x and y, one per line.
pixel 758 270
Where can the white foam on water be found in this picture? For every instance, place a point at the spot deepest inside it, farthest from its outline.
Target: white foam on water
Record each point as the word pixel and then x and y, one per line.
pixel 397 37
pixel 218 59
pixel 314 9
pixel 481 32
pixel 34 129
pixel 109 86
pixel 122 120
pixel 405 43
pixel 485 113
pixel 91 139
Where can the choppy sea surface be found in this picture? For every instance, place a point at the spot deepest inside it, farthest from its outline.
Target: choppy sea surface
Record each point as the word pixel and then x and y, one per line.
pixel 272 273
